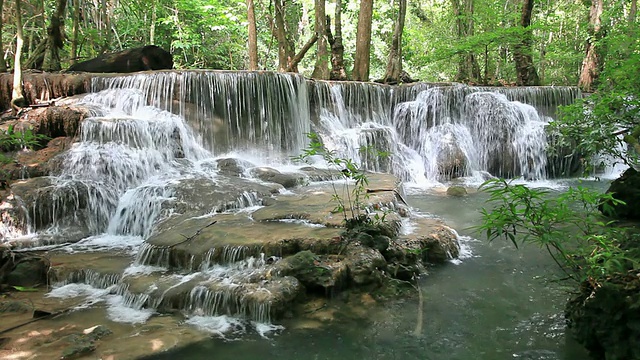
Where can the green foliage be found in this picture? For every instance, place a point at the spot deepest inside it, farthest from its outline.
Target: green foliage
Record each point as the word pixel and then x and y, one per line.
pixel 350 199
pixel 569 226
pixel 11 139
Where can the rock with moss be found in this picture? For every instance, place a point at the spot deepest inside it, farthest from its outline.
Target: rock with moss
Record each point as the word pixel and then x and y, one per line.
pixel 365 264
pixel 316 273
pixel 457 191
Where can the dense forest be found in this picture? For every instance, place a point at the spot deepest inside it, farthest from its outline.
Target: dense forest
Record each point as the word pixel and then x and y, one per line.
pixel 504 42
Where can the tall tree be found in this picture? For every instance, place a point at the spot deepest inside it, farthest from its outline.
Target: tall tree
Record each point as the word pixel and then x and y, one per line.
pixel 592 63
pixel 76 28
pixel 55 38
pixel 253 35
pixel 3 64
pixel 468 69
pixel 362 58
pixel 393 72
pixel 17 97
pixel 321 69
pixel 286 50
pixel 526 73
pixel 338 71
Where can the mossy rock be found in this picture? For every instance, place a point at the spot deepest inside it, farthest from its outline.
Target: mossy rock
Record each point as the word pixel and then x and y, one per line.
pixel 457 191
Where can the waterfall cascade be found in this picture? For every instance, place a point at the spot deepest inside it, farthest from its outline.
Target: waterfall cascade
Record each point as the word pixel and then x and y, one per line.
pixel 149 152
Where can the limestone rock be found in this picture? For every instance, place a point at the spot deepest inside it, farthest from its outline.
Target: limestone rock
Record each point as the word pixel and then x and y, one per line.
pixel 288 180
pixel 232 166
pixel 457 191
pixel 365 264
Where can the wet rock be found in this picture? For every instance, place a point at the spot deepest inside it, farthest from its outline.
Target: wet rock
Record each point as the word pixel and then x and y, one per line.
pixel 457 191
pixel 315 174
pixel 13 306
pixel 365 264
pixel 232 166
pixel 288 180
pixel 316 273
pixel 29 272
pixel 440 246
pixel 47 203
pixel 451 160
pixel 627 189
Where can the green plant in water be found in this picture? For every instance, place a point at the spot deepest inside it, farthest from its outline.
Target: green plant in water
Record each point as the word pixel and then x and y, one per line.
pixel 350 199
pixel 585 245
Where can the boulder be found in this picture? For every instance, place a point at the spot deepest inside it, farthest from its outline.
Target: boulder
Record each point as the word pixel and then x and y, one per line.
pixel 288 180
pixel 233 167
pixel 627 189
pixel 456 191
pixel 316 273
pixel 365 264
pixel 29 272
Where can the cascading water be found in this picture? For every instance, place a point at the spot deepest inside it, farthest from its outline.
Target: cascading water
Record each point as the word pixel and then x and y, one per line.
pixel 147 153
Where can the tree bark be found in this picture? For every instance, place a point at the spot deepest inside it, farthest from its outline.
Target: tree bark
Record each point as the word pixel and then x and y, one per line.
pixel 152 29
pixel 525 70
pixel 293 63
pixel 17 97
pixel 321 68
pixel 76 27
pixel 633 10
pixel 592 63
pixel 253 36
pixel 468 69
pixel 286 52
pixel 362 57
pixel 394 64
pixel 3 64
pixel 338 71
pixel 55 38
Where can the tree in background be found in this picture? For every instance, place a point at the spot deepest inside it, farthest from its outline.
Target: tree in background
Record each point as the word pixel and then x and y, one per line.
pixel 363 42
pixel 3 64
pixel 468 69
pixel 55 39
pixel 525 70
pixel 592 63
pixel 253 35
pixel 338 71
pixel 321 69
pixel 17 97
pixel 393 72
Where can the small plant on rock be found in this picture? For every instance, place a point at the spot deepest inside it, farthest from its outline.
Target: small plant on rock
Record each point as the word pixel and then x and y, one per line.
pixel 350 199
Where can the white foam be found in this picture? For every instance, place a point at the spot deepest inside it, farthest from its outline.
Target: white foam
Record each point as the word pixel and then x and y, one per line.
pixel 301 222
pixel 77 290
pixel 119 312
pixel 465 249
pixel 217 325
pixel 264 329
pixel 109 242
pixel 134 270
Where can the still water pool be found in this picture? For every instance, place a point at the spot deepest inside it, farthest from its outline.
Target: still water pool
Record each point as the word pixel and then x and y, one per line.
pixel 499 303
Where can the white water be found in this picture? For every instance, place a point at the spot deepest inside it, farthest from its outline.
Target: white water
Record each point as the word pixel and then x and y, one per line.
pixel 122 176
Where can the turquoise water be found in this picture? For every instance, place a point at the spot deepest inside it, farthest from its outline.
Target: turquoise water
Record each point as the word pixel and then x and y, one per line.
pixel 497 304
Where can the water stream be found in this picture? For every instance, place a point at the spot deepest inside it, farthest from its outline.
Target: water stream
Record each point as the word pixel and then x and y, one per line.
pixel 499 303
pixel 149 152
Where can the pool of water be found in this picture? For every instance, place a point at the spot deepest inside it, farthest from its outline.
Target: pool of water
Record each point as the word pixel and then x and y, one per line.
pixel 499 303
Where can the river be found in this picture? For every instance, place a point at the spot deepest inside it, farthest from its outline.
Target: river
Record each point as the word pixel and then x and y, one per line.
pixel 497 303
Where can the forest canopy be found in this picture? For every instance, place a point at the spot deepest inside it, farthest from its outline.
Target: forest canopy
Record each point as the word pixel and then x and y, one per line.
pixel 503 42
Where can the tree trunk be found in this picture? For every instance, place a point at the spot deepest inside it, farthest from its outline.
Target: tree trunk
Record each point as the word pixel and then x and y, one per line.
pixel 468 69
pixel 362 57
pixel 17 97
pixel 394 65
pixel 253 36
pixel 286 52
pixel 55 38
pixel 525 71
pixel 152 29
pixel 592 62
pixel 3 64
pixel 76 27
pixel 321 69
pixel 338 71
pixel 293 63
pixel 633 10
